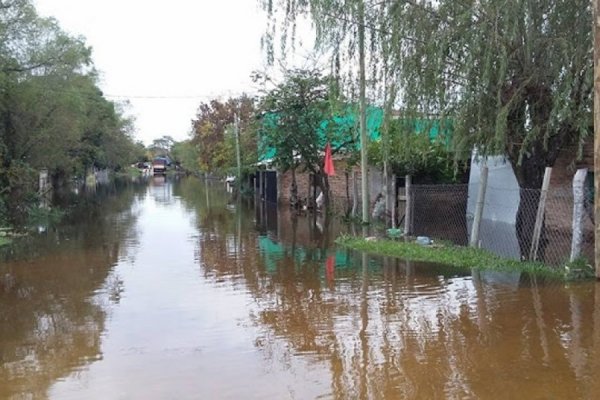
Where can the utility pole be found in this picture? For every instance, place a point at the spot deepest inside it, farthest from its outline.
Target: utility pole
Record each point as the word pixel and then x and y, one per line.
pixel 596 15
pixel 364 172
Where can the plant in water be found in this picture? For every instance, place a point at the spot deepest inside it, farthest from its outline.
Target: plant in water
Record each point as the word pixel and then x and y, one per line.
pixel 579 268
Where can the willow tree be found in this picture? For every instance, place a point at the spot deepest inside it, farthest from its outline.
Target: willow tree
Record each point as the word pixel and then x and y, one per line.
pixel 516 78
pixel 345 29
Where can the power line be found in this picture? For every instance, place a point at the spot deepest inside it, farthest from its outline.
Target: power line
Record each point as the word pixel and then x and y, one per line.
pixel 175 97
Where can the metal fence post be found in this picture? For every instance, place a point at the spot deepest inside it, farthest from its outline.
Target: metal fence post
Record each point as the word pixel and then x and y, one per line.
pixel 539 219
pixel 578 212
pixel 479 207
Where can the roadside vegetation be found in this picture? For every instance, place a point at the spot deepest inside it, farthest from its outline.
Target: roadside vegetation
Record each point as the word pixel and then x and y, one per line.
pixel 213 142
pixel 463 257
pixel 53 116
pixel 513 81
pixel 3 239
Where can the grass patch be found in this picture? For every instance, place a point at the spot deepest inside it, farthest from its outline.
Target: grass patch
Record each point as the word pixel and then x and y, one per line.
pixel 129 172
pixel 44 216
pixel 456 256
pixel 4 241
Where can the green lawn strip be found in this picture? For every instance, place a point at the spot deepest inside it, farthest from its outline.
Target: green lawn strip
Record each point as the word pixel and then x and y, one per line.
pixel 4 241
pixel 456 256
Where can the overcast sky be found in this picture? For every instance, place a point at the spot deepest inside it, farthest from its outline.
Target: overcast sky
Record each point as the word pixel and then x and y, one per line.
pixel 167 56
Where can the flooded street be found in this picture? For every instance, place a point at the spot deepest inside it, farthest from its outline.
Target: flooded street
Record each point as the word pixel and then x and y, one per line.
pixel 172 290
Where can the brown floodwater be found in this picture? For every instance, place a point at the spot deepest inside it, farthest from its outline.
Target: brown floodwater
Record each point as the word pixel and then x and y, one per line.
pixel 171 290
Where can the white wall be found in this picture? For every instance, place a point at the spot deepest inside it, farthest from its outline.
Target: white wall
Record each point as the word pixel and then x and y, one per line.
pixel 497 231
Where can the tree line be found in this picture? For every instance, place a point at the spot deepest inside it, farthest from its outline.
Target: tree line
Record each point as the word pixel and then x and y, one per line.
pixel 52 113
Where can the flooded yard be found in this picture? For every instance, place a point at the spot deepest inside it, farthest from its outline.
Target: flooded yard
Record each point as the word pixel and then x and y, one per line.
pixel 173 290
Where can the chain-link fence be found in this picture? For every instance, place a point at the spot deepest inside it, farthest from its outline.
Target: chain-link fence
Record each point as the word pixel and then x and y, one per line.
pixel 446 212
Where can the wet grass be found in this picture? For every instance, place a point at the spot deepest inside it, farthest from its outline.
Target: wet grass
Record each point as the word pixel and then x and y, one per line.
pixel 456 256
pixel 4 236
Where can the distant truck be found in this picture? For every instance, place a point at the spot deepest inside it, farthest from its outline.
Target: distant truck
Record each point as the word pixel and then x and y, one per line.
pixel 159 166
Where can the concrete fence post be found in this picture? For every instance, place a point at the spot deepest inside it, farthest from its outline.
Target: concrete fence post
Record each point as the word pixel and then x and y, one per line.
pixel 479 207
pixel 578 212
pixel 539 219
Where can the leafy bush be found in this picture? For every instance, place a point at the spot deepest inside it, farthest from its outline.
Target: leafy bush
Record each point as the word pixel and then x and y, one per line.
pixel 410 152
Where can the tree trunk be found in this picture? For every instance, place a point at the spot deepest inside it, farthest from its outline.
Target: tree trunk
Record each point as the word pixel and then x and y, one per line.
pixel 534 104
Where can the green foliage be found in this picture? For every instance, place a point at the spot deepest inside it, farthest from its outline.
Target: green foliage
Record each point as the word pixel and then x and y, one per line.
pixel 186 154
pixel 292 117
pixel 52 114
pixel 459 257
pixel 161 147
pixel 413 153
pixel 517 80
pixel 579 269
pixel 214 137
pixel 516 77
pixel 44 216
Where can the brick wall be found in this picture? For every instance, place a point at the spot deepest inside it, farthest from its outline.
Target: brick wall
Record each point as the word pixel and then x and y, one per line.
pixel 338 185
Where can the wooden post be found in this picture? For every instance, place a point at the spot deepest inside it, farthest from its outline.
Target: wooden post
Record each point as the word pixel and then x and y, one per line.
pixel 539 219
pixel 479 208
pixel 409 203
pixel 578 212
pixel 596 28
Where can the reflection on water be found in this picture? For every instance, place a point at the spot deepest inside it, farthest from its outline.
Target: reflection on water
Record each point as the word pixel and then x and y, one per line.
pixel 54 292
pixel 176 290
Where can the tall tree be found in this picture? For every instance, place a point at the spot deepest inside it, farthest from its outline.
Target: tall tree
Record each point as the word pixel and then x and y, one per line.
pixel 52 114
pixel 517 80
pixel 213 138
pixel 185 155
pixel 294 124
pixel 345 29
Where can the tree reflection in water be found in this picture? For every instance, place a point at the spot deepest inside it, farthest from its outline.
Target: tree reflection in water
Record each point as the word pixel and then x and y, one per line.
pixel 56 289
pixel 388 328
pixel 299 317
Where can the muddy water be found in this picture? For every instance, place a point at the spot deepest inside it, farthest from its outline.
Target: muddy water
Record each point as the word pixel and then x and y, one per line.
pixel 172 291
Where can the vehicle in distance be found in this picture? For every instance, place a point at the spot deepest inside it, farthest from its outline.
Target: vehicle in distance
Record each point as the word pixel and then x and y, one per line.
pixel 159 166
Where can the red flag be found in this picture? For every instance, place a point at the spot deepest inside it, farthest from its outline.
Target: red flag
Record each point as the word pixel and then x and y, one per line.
pixel 330 268
pixel 329 170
